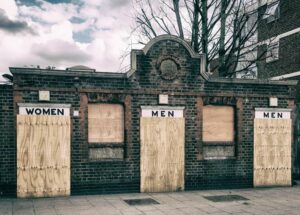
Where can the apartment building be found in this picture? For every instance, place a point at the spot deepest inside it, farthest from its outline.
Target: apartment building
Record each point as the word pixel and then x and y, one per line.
pixel 274 49
pixel 279 34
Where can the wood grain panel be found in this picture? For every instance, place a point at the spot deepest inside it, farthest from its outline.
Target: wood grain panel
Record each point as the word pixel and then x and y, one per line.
pixel 162 154
pixel 218 123
pixel 43 156
pixel 105 123
pixel 272 152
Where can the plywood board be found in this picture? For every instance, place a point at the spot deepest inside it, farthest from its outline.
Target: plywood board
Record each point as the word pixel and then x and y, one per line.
pixel 162 154
pixel 272 152
pixel 105 123
pixel 218 123
pixel 43 156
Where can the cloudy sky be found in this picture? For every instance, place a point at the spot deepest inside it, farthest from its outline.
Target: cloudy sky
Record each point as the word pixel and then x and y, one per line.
pixel 64 33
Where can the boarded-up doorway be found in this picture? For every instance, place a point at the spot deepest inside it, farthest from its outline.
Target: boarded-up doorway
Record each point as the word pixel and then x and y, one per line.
pixel 162 149
pixel 272 147
pixel 43 156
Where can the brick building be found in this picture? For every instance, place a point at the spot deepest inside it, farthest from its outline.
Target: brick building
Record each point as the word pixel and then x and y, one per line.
pixel 162 126
pixel 279 24
pixel 278 39
pixel 274 46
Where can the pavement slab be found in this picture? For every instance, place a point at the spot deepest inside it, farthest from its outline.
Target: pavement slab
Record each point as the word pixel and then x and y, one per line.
pixel 273 201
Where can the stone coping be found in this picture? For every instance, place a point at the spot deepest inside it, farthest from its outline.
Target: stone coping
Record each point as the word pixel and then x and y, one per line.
pixel 33 71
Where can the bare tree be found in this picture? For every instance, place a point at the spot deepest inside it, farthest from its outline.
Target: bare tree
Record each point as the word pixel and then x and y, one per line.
pixel 225 30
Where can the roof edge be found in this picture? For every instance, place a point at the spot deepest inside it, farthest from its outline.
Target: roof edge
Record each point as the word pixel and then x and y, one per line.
pixel 252 81
pixel 35 71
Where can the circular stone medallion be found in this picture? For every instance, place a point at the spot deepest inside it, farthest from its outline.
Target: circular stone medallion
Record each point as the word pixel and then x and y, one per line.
pixel 168 69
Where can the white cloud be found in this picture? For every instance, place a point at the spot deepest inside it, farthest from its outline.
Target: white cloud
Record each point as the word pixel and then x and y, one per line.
pixel 59 51
pixel 49 13
pixel 10 7
pixel 54 45
pixel 89 23
pixel 108 49
pixel 62 30
pixel 111 4
pixel 89 11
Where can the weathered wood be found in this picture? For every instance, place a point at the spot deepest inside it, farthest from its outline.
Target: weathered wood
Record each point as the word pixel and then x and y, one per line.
pixel 218 123
pixel 43 156
pixel 162 154
pixel 105 123
pixel 272 152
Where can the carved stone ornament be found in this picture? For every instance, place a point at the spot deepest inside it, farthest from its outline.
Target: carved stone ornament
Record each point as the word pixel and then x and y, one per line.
pixel 168 68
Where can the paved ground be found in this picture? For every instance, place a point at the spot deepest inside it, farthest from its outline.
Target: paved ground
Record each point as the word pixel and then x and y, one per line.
pixel 273 201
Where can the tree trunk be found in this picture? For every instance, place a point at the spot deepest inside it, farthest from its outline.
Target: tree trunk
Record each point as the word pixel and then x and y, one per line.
pixel 222 66
pixel 195 27
pixel 204 33
pixel 178 18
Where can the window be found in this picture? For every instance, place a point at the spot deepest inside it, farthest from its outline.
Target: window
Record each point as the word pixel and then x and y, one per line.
pixel 249 29
pixel 272 52
pixel 249 73
pixel 250 3
pixel 272 12
pixel 106 131
pixel 246 65
pixel 218 132
pixel 218 123
pixel 106 123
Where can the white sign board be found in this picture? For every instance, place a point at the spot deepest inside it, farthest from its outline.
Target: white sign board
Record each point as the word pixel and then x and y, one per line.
pixel 44 109
pixel 272 113
pixel 162 111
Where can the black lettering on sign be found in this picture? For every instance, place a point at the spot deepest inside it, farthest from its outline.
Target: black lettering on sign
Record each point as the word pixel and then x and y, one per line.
pixel 53 111
pixel 155 113
pixel 279 115
pixel 50 111
pixel 38 111
pixel 60 111
pixel 29 111
pixel 170 113
pixel 162 113
pixel 46 111
pixel 273 115
pixel 266 115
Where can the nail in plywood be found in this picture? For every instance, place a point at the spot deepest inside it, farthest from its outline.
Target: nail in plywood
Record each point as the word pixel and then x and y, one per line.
pixel 105 123
pixel 162 154
pixel 218 123
pixel 272 152
pixel 43 156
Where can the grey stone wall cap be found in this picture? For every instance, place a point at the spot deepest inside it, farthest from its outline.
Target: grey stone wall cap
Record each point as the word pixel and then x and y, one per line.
pixel 5 84
pixel 34 71
pixel 252 81
pixel 52 105
pixel 163 107
pixel 274 109
pixel 170 37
